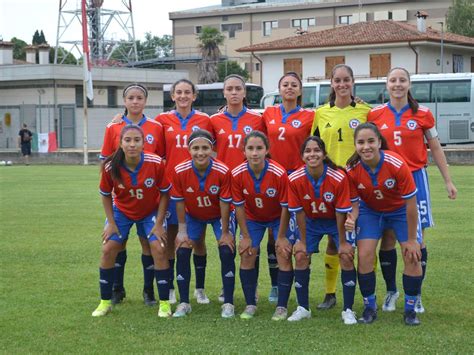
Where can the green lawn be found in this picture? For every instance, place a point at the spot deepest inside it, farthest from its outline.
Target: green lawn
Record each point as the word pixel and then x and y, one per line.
pixel 50 246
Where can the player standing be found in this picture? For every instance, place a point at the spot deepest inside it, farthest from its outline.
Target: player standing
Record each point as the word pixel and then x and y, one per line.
pixel 335 123
pixel 384 196
pixel 406 126
pixel 137 181
pixel 134 98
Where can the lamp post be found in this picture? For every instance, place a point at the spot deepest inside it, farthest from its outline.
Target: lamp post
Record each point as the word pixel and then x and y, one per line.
pixel 442 47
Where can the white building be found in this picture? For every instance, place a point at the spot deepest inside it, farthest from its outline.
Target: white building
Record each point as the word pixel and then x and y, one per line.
pixel 49 98
pixel 370 48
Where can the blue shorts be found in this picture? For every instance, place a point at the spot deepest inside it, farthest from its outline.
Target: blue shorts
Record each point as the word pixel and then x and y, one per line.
pixel 293 232
pixel 171 216
pixel 423 198
pixel 197 226
pixel 257 230
pixel 371 224
pixel 316 229
pixel 124 224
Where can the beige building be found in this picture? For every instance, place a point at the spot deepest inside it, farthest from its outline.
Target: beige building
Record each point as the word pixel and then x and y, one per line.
pixel 49 98
pixel 249 22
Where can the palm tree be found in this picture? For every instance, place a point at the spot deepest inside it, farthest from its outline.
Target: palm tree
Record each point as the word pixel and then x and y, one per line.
pixel 209 40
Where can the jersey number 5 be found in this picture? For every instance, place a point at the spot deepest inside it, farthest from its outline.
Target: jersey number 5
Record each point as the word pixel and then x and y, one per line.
pixel 397 137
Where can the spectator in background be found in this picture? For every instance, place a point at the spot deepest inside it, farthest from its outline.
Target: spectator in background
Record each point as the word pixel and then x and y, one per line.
pixel 24 142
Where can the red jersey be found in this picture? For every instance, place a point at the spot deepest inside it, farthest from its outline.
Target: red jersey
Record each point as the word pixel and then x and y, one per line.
pixel 138 194
pixel 263 197
pixel 322 198
pixel 385 189
pixel 152 130
pixel 286 132
pixel 177 130
pixel 404 131
pixel 201 194
pixel 230 132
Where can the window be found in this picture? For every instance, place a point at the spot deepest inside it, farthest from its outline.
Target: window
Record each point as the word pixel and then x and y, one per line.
pixel 303 23
pixel 371 93
pixel 293 64
pixel 421 91
pixel 79 97
pixel 324 91
pixel 197 29
pixel 111 96
pixel 345 20
pixel 257 66
pixel 451 91
pixel 225 18
pixel 458 63
pixel 267 27
pixel 231 28
pixel 380 64
pixel 331 62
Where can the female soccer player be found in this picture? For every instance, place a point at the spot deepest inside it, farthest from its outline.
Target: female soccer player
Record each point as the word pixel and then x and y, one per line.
pixel 178 125
pixel 259 190
pixel 137 181
pixel 382 182
pixel 287 125
pixel 319 195
pixel 335 123
pixel 134 98
pixel 201 189
pixel 406 125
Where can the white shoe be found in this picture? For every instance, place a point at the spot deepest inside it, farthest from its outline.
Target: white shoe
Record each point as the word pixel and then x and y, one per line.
pixel 200 296
pixel 221 296
pixel 172 296
pixel 182 310
pixel 349 317
pixel 390 301
pixel 227 310
pixel 418 305
pixel 299 314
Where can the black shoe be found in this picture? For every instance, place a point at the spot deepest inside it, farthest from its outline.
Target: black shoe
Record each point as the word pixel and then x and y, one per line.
pixel 149 297
pixel 368 316
pixel 118 295
pixel 329 301
pixel 411 318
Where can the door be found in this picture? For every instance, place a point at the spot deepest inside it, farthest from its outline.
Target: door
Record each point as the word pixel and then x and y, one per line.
pixel 67 121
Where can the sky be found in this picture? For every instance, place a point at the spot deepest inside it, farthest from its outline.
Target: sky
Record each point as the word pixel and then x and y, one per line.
pixel 21 18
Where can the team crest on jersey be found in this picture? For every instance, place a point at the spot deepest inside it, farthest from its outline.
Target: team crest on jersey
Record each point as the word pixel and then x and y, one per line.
pixel 354 123
pixel 195 128
pixel 296 123
pixel 389 183
pixel 271 192
pixel 214 189
pixel 328 196
pixel 411 125
pixel 149 182
pixel 149 138
pixel 247 129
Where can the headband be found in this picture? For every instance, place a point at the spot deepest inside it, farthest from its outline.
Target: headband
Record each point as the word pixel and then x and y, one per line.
pixel 201 137
pixel 139 87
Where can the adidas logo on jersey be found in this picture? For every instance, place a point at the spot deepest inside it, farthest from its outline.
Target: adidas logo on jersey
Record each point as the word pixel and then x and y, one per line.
pixel 349 283
pixel 221 131
pixel 328 125
pixel 384 126
pixel 189 189
pixel 179 278
pixel 424 220
pixel 307 197
pixel 245 192
pixel 272 122
pixel 361 187
pixel 229 274
pixel 121 186
pixel 170 129
pixel 298 285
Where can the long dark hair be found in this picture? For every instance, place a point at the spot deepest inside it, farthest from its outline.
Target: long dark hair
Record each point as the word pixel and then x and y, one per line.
pixel 322 146
pixel 332 94
pixel 117 159
pixel 299 99
pixel 411 100
pixel 355 158
pixel 238 77
pixel 186 81
pixel 133 86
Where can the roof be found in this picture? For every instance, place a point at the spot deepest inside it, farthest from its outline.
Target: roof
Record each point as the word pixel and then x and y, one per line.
pixel 374 32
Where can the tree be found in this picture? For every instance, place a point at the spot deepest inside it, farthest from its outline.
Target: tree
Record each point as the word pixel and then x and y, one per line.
pixel 62 53
pixel 231 67
pixel 209 40
pixel 460 18
pixel 19 48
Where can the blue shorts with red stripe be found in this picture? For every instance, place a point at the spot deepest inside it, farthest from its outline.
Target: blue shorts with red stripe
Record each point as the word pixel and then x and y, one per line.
pixel 124 224
pixel 423 198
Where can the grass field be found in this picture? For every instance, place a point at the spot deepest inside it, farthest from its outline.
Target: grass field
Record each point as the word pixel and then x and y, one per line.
pixel 50 246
